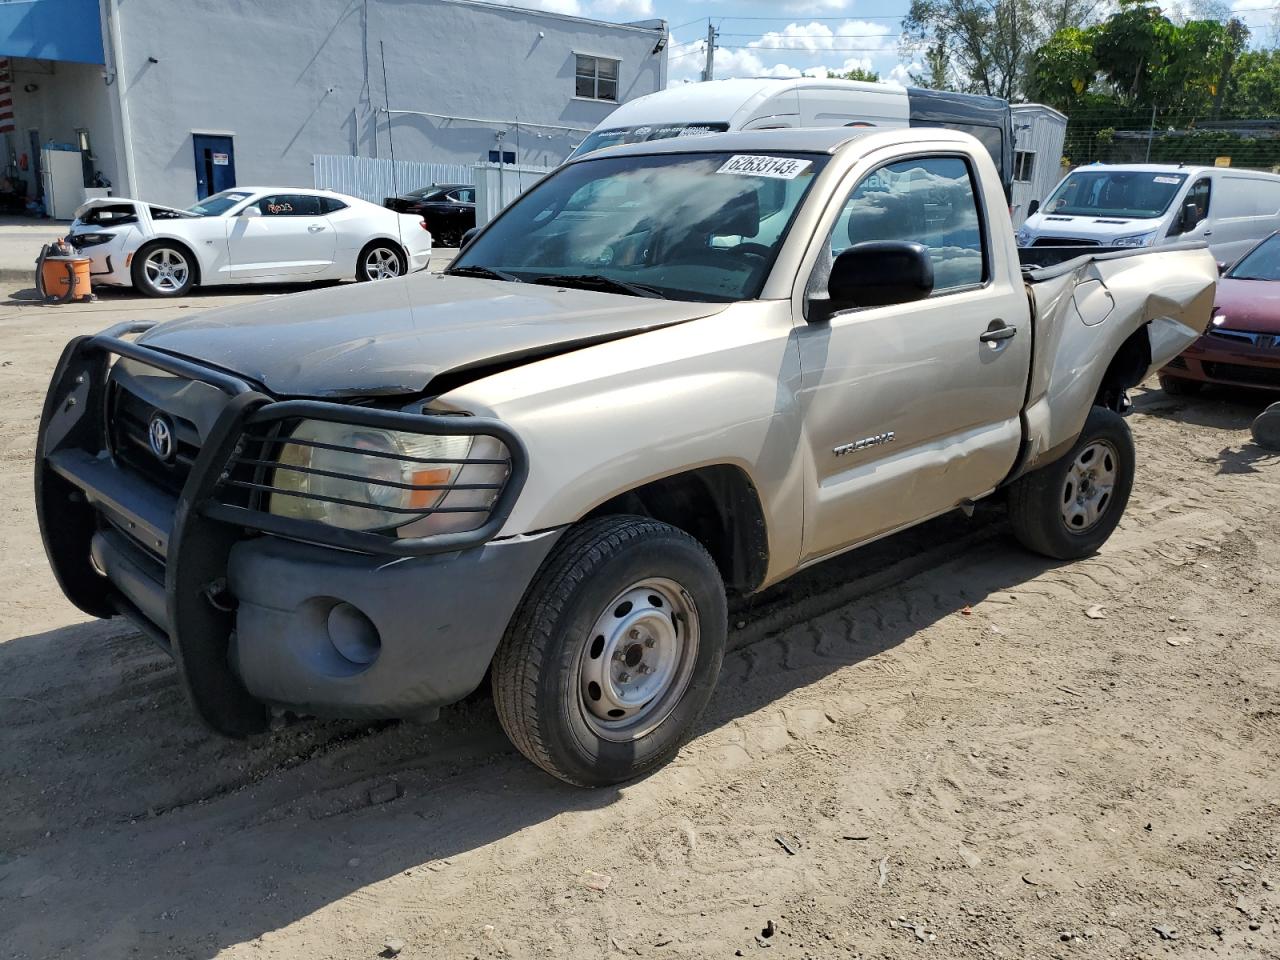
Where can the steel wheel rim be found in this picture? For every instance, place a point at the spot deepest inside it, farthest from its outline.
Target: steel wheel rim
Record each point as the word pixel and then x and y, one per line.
pixel 638 660
pixel 382 264
pixel 1089 489
pixel 166 269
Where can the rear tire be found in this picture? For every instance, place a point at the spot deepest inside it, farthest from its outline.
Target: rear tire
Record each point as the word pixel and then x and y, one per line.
pixel 1069 508
pixel 1180 387
pixel 381 261
pixel 614 651
pixel 163 269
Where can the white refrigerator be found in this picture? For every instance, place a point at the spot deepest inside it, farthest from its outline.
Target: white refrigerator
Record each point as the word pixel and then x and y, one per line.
pixel 63 182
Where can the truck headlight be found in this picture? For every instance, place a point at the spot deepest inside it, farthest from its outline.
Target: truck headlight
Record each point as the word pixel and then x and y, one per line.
pixel 1136 240
pixel 362 478
pixel 1022 237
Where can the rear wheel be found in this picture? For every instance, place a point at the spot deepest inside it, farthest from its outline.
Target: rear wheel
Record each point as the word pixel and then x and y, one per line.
pixel 163 270
pixel 614 651
pixel 380 261
pixel 1179 386
pixel 1069 508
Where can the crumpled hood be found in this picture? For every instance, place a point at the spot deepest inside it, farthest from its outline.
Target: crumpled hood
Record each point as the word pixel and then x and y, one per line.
pixel 1251 305
pixel 396 336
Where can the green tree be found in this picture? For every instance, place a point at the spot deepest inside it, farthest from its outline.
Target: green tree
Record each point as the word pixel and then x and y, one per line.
pixel 1253 87
pixel 1063 70
pixel 858 73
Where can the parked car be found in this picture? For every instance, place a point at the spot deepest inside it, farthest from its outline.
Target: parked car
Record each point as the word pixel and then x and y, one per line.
pixel 449 210
pixel 1242 347
pixel 667 371
pixel 1144 205
pixel 762 103
pixel 246 235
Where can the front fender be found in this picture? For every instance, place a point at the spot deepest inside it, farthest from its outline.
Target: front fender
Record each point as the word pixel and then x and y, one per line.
pixel 607 419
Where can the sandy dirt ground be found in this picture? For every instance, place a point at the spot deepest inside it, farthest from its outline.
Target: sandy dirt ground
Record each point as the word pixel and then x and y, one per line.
pixel 940 745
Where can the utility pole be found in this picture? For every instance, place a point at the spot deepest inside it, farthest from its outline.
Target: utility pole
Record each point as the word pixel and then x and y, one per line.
pixel 709 71
pixel 1151 133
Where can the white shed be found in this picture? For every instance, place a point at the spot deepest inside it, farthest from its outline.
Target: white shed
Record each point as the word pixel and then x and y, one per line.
pixel 1038 135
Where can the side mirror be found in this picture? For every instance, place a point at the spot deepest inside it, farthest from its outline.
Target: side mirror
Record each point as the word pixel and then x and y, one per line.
pixel 878 274
pixel 1223 267
pixel 468 236
pixel 1190 216
pixel 251 211
pixel 1033 208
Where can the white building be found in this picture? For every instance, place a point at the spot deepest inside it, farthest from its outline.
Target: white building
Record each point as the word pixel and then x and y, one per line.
pixel 1038 136
pixel 174 99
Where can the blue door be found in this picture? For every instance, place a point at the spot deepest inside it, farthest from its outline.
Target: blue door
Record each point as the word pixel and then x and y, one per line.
pixel 215 164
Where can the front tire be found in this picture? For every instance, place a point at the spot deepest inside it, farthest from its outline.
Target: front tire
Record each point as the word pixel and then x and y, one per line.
pixel 614 651
pixel 380 261
pixel 163 270
pixel 1179 386
pixel 1069 508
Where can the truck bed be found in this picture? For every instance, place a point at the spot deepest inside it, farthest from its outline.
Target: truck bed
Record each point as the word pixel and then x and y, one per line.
pixel 1042 263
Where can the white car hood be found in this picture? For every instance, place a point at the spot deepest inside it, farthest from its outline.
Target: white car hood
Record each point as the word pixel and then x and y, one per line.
pixel 1102 229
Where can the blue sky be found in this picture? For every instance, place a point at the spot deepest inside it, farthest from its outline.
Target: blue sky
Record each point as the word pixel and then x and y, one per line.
pixel 788 38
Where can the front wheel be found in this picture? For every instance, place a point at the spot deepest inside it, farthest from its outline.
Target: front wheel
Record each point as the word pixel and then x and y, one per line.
pixel 163 270
pixel 614 651
pixel 1068 509
pixel 380 261
pixel 1180 386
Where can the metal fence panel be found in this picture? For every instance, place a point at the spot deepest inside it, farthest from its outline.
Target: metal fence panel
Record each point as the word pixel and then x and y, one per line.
pixel 375 179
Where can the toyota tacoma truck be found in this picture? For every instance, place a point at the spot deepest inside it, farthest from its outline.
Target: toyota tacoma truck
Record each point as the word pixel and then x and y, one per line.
pixel 669 372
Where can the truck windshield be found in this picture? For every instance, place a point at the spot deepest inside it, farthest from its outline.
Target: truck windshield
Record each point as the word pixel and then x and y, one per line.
pixel 599 139
pixel 694 226
pixel 1115 193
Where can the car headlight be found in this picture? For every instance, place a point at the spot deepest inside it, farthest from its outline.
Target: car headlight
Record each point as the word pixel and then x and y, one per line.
pixel 1022 237
pixel 79 240
pixel 363 478
pixel 1137 240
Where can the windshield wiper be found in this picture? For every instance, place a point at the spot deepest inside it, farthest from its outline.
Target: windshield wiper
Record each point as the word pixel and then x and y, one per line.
pixel 598 281
pixel 479 271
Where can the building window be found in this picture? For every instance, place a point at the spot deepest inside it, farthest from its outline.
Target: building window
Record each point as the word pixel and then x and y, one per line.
pixel 597 78
pixel 1024 162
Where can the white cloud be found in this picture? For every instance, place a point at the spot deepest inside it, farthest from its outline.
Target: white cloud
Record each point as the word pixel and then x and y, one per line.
pixel 798 50
pixel 860 35
pixel 817 6
pixel 901 73
pixel 570 7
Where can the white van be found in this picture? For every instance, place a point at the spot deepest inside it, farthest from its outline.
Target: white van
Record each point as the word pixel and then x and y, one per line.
pixel 764 103
pixel 1140 205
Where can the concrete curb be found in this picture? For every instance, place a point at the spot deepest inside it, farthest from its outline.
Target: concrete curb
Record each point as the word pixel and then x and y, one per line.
pixel 14 275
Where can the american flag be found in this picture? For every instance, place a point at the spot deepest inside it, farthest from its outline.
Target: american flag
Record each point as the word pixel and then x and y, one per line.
pixel 6 97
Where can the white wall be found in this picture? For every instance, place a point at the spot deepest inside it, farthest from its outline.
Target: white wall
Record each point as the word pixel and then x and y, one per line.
pixel 1042 131
pixel 288 86
pixel 70 96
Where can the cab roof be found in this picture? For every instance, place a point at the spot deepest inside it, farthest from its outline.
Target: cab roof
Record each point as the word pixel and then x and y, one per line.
pixel 787 140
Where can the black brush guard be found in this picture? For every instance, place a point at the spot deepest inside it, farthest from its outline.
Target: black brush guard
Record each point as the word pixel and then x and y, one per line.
pixel 78 484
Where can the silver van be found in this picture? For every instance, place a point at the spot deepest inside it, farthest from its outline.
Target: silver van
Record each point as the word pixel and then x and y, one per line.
pixel 1142 205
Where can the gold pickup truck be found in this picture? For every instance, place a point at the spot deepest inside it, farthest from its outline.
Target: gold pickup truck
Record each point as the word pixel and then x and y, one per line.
pixel 667 372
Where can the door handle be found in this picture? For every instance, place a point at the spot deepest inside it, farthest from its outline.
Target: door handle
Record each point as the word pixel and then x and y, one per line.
pixel 999 330
pixel 316 228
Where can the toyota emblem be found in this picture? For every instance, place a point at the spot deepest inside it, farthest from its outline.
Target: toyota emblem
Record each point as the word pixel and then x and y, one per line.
pixel 160 437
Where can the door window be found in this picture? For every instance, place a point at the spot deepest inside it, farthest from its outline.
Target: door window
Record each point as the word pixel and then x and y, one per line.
pixel 928 200
pixel 330 205
pixel 466 195
pixel 1198 195
pixel 290 205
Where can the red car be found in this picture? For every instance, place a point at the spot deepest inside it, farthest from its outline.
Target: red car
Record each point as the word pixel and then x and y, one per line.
pixel 1242 347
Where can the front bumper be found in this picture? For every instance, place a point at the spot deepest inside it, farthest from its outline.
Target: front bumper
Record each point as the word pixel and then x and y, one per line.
pixel 1218 359
pixel 249 616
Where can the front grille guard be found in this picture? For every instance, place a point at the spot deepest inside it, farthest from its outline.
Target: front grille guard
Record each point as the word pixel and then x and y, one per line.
pixel 252 417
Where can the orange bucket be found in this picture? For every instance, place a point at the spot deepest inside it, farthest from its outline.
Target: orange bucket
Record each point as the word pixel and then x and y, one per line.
pixel 64 285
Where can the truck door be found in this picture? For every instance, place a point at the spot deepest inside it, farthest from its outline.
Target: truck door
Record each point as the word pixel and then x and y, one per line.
pixel 908 409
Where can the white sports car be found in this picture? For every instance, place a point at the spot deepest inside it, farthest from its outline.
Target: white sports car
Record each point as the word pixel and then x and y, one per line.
pixel 246 235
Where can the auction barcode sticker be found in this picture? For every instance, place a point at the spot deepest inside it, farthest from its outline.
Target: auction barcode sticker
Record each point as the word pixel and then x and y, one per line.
pixel 1169 180
pixel 779 168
